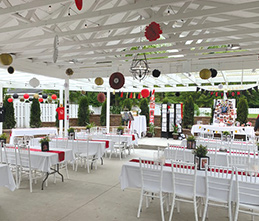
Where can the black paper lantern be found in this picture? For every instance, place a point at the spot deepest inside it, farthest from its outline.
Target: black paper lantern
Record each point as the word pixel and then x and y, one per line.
pixel 213 72
pixel 156 73
pixel 177 94
pixel 30 99
pixel 117 80
pixel 44 96
pixel 15 96
pixel 10 70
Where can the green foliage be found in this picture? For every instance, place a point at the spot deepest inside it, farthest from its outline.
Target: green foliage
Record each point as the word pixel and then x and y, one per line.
pixel 3 136
pixel 103 114
pixel 127 104
pixel 144 108
pixel 175 131
pixel 165 100
pixel 242 110
pixel 90 125
pixel 196 110
pixel 201 151
pixel 71 130
pixel 92 97
pixel 212 113
pixel 226 133
pixel 83 111
pixel 9 120
pixel 35 120
pixel 188 113
pixel 151 129
pixel 115 109
pixel 44 140
pixel 191 138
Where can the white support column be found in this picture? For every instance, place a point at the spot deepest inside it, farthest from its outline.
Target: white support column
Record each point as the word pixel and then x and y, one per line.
pixel 108 110
pixel 61 121
pixel 66 104
pixel 1 100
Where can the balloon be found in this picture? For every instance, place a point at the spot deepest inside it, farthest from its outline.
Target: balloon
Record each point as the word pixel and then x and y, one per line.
pixel 156 73
pixel 177 94
pixel 69 72
pixel 26 96
pixel 213 72
pixel 220 86
pixel 30 99
pixel 145 93
pixel 15 96
pixel 44 96
pixel 54 96
pixel 205 74
pixel 10 100
pixel 10 70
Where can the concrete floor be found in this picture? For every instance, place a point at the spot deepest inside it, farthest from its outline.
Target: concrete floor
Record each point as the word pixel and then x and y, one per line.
pixel 94 196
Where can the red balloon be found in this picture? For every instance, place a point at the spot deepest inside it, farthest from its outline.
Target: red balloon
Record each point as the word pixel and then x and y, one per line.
pixel 26 96
pixel 54 96
pixel 145 93
pixel 40 100
pixel 10 100
pixel 101 97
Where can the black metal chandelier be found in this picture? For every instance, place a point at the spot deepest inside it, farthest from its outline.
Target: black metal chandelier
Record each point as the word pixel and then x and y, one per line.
pixel 139 67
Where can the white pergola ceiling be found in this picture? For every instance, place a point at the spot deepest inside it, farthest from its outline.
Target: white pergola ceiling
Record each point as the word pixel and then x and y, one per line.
pixel 97 39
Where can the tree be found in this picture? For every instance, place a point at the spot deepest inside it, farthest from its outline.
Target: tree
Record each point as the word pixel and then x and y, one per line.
pixel 35 120
pixel 9 119
pixel 127 104
pixel 103 114
pixel 242 110
pixel 144 109
pixel 188 113
pixel 83 111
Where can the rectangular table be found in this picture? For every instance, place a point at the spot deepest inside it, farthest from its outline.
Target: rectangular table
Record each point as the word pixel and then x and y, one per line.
pixel 6 177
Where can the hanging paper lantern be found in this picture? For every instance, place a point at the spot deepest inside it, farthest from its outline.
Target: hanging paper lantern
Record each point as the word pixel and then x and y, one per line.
pixel 213 72
pixel 54 96
pixel 10 70
pixel 26 96
pixel 233 94
pixel 98 81
pixel 40 100
pixel 69 72
pixel 22 100
pixel 205 74
pixel 222 94
pixel 145 93
pixel 153 31
pixel 220 86
pixel 101 97
pixel 36 96
pixel 83 92
pixel 6 59
pixel 113 92
pixel 79 4
pixel 156 73
pixel 177 94
pixel 30 99
pixel 34 82
pixel 256 88
pixel 10 100
pixel 15 96
pixel 131 95
pixel 116 80
pixel 44 96
pixel 238 93
pixel 227 94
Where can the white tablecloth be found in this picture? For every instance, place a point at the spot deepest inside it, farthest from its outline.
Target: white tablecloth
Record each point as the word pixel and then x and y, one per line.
pixel 249 131
pixel 130 178
pixel 123 138
pixel 139 124
pixel 6 177
pixel 32 132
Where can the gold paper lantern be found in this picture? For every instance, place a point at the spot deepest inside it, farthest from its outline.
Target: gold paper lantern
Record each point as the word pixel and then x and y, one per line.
pixel 205 74
pixel 69 72
pixel 98 81
pixel 83 92
pixel 36 96
pixel 6 59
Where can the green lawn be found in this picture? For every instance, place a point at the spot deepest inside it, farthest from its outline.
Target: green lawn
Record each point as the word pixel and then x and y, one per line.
pixel 252 115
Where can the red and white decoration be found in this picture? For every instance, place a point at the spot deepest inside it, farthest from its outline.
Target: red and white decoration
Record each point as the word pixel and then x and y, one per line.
pixel 152 108
pixel 153 31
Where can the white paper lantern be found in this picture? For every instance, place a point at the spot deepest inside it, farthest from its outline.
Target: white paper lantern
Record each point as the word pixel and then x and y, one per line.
pixel 34 82
pixel 220 86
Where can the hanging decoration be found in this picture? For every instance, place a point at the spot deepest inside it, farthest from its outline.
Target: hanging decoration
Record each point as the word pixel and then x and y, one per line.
pixel 26 96
pixel 15 96
pixel 69 72
pixel 44 96
pixel 153 31
pixel 10 70
pixel 83 92
pixel 145 93
pixel 79 4
pixel 113 92
pixel 222 94
pixel 6 59
pixel 34 82
pixel 40 100
pixel 10 100
pixel 98 81
pixel 227 94
pixel 54 96
pixel 36 96
pixel 116 80
pixel 131 95
pixel 250 90
pixel 233 94
pixel 30 99
pixel 22 100
pixel 205 74
pixel 206 92
pixel 256 88
pixel 134 95
pixel 213 72
pixel 49 100
pixel 139 96
pixel 216 94
pixel 177 94
pixel 202 91
pixel 238 93
pixel 156 73
pixel 127 94
pixel 211 93
pixel 122 94
pixel 139 67
pixel 101 97
pixel 197 89
pixel 220 86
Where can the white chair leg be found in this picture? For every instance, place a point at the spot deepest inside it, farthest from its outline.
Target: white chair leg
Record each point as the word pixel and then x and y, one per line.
pixel 140 203
pixel 195 210
pixel 172 207
pixel 66 170
pixel 205 210
pixel 162 207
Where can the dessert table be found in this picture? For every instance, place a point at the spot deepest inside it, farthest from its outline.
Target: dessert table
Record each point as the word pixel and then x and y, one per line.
pixel 6 177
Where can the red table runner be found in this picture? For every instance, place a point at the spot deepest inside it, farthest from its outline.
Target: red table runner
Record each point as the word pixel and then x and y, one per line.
pixel 133 136
pixel 61 154
pixel 106 142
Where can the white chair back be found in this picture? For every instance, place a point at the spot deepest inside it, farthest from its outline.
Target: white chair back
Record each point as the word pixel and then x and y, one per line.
pixel 238 158
pixel 212 153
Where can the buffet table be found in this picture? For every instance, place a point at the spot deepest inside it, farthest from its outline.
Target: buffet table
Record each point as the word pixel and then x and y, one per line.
pixel 6 177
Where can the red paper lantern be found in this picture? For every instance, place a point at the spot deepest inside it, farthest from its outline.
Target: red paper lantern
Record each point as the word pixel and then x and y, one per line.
pixel 211 93
pixel 233 94
pixel 153 31
pixel 54 96
pixel 101 97
pixel 145 93
pixel 26 96
pixel 40 100
pixel 10 100
pixel 238 93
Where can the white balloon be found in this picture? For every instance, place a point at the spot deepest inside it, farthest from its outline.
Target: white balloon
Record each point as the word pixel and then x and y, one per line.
pixel 34 82
pixel 220 86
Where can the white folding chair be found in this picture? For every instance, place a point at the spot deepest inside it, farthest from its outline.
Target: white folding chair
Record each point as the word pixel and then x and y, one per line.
pixel 175 153
pixel 119 147
pixel 212 153
pixel 219 185
pixel 247 192
pixel 184 185
pixel 238 158
pixel 151 184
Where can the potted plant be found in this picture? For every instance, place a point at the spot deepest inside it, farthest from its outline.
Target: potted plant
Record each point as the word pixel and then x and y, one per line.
pixel 3 138
pixel 151 130
pixel 44 143
pixel 71 133
pixel 175 132
pixel 90 125
pixel 200 157
pixel 191 142
pixel 120 129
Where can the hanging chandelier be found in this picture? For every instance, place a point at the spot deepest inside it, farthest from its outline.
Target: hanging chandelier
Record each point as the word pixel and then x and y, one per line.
pixel 139 67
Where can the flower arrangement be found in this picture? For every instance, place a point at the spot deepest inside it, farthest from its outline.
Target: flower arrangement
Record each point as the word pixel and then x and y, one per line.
pixel 90 125
pixel 200 151
pixel 44 140
pixel 226 133
pixel 71 130
pixel 175 129
pixel 3 136
pixel 191 138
